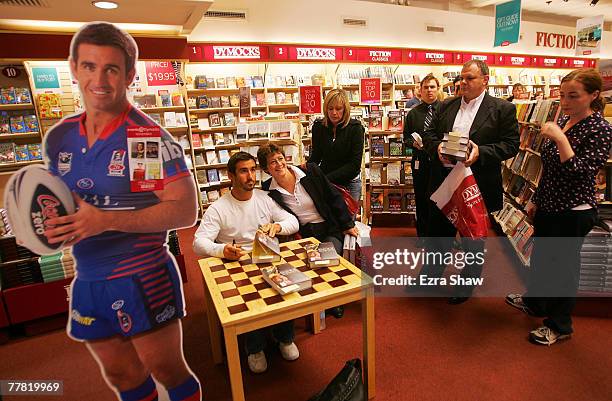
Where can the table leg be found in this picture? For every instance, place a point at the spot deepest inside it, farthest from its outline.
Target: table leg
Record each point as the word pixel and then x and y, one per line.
pixel 233 363
pixel 316 323
pixel 214 328
pixel 369 351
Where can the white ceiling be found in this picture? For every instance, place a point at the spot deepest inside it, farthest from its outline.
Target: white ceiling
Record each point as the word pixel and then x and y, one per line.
pixel 176 16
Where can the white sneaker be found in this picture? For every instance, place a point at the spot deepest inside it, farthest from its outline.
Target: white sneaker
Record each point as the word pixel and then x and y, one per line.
pixel 258 362
pixel 290 352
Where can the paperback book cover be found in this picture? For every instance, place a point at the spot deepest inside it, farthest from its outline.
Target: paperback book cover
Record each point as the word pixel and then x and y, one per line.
pixel 377 200
pixel 17 125
pixel 266 249
pixel 396 147
pixel 212 175
pixel 200 82
pixel 7 153
pixel 21 153
pixel 22 95
pixel 165 99
pixel 396 120
pixel 285 278
pixel 195 140
pixel 377 146
pixel 321 255
pixel 395 201
pixel 202 102
pixel 7 96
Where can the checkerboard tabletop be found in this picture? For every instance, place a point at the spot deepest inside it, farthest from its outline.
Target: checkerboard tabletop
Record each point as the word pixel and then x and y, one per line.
pixel 239 290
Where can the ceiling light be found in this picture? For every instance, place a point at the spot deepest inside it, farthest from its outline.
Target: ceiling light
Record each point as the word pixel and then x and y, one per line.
pixel 107 5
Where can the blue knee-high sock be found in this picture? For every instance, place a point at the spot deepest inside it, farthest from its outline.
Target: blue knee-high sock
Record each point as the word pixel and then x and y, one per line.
pixel 145 392
pixel 189 390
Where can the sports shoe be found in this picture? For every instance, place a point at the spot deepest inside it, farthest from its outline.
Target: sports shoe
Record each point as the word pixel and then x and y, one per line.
pixel 516 300
pixel 258 362
pixel 546 336
pixel 290 352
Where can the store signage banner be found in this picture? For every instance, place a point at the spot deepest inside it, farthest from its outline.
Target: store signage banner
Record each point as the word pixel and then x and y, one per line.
pixel 576 63
pixel 380 56
pixel 507 23
pixel 370 91
pixel 588 35
pixel 45 77
pixel 432 57
pixel 465 57
pixel 605 69
pixel 513 60
pixel 159 73
pixel 309 53
pixel 280 52
pixel 230 52
pixel 350 54
pixel 310 100
pixel 543 61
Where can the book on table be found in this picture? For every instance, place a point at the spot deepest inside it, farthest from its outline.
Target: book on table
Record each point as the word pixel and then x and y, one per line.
pixel 285 278
pixel 322 254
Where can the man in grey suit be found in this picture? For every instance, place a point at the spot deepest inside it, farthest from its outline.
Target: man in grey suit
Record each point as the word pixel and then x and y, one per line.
pixel 494 137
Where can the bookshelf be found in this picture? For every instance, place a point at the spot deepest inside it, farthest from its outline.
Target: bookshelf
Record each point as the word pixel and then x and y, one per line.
pixel 389 190
pixel 20 128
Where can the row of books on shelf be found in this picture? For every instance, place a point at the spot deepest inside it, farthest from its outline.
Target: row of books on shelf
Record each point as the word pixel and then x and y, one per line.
pixel 515 224
pixel 538 112
pixel 393 173
pixel 163 98
pixel 12 153
pixel 531 138
pixel 170 119
pixel 212 176
pixel 352 77
pixel 527 165
pixel 385 146
pixel 12 95
pixel 497 91
pixel 210 196
pixel 227 119
pixel 257 99
pixel 518 188
pixel 221 156
pixel 596 259
pixel 18 123
pixel 212 157
pixel 392 200
pixel 256 81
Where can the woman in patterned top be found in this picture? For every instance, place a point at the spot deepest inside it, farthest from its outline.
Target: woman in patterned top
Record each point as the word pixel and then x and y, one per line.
pixel 565 209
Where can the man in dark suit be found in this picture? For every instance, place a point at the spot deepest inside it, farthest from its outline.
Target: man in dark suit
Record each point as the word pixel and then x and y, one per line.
pixel 417 120
pixel 494 137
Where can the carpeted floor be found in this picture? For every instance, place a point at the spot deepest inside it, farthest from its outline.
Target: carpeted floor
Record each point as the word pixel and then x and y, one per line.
pixel 425 350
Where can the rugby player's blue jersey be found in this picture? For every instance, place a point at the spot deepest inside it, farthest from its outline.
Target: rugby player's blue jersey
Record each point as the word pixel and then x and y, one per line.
pixel 101 176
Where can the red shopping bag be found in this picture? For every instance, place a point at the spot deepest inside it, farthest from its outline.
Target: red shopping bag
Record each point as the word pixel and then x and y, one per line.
pixel 460 200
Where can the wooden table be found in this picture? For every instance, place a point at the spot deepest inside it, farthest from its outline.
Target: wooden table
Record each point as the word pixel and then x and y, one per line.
pixel 244 302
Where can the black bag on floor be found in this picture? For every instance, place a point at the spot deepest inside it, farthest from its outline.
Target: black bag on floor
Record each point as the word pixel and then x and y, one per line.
pixel 346 386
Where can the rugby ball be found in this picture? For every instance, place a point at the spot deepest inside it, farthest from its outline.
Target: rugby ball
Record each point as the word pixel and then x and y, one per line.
pixel 32 196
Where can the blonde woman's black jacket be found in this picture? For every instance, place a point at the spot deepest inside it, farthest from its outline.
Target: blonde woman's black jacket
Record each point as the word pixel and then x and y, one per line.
pixel 326 198
pixel 340 159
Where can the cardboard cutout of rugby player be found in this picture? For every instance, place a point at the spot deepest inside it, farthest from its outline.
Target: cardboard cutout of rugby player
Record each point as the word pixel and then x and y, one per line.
pixel 127 298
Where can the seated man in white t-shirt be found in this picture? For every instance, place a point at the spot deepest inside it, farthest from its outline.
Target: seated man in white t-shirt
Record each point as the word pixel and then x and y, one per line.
pixel 227 231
